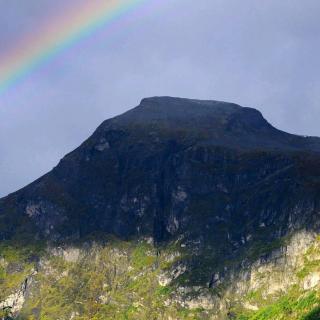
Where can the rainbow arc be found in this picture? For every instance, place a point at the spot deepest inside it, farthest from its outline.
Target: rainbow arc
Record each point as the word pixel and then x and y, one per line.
pixel 59 34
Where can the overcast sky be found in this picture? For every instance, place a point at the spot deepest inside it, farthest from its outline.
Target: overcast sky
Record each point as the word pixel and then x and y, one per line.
pixel 261 54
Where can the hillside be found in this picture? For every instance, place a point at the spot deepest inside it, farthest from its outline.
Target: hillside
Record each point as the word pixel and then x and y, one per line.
pixel 176 209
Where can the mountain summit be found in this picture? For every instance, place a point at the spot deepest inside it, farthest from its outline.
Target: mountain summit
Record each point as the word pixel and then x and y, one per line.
pixel 211 189
pixel 213 122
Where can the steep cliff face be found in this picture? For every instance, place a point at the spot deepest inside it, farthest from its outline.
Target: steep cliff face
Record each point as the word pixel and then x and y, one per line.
pixel 211 183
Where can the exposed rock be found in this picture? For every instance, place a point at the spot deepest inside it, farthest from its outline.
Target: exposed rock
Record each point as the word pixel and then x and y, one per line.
pixel 16 300
pixel 103 145
pixel 69 254
pixel 166 278
pixel 311 281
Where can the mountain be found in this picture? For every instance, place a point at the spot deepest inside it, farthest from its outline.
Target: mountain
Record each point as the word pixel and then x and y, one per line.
pixel 176 209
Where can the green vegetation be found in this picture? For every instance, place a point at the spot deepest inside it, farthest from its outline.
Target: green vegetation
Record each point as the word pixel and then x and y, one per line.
pixel 292 306
pixel 311 260
pixel 296 303
pixel 17 262
pixel 120 280
pixel 117 280
pixel 314 314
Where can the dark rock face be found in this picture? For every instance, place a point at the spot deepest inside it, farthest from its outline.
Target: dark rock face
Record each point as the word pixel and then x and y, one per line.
pixel 215 173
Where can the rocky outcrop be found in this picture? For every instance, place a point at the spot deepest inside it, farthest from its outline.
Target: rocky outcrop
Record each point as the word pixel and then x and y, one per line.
pixel 15 301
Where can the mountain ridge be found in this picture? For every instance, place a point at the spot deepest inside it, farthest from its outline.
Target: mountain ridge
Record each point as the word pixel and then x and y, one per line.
pixel 192 198
pixel 165 126
pixel 224 120
pixel 136 116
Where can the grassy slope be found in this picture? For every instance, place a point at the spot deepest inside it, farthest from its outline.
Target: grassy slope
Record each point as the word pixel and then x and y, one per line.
pixel 297 303
pixel 119 280
pixel 115 281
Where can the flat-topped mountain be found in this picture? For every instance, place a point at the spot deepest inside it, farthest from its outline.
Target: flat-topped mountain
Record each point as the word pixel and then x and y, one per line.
pixel 212 122
pixel 211 179
pixel 144 172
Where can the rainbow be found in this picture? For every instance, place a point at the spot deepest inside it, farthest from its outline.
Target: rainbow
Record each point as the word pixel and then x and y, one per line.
pixel 59 34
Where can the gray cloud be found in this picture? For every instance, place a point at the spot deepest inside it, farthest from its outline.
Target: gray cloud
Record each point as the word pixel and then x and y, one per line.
pixel 258 54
